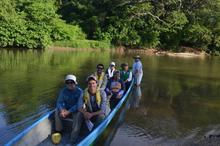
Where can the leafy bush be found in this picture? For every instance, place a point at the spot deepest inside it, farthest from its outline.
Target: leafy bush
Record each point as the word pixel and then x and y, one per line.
pixel 198 36
pixel 84 44
pixel 33 24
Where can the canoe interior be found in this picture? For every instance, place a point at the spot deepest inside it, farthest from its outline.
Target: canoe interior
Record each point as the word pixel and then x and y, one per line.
pixel 40 132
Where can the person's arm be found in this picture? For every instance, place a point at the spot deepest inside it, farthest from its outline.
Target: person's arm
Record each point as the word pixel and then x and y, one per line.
pixel 107 89
pixel 107 74
pixel 103 105
pixel 130 77
pixel 86 114
pixel 78 105
pixel 139 67
pixel 60 101
pixel 121 92
pixel 80 101
pixel 82 109
pixel 104 83
pixel 122 85
pixel 135 70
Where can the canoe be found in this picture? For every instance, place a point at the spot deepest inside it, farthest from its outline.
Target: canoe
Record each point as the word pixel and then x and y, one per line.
pixel 39 133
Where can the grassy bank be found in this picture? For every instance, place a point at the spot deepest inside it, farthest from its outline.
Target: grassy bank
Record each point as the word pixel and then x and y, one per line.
pixel 84 44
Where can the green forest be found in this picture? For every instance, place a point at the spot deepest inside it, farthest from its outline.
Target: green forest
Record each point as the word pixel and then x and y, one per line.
pixel 163 24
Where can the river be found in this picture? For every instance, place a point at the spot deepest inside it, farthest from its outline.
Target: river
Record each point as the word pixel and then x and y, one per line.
pixel 180 99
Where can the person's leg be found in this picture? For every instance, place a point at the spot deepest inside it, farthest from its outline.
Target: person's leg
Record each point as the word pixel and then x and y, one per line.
pixel 77 120
pixel 127 85
pixel 99 119
pixel 139 78
pixel 113 101
pixel 108 109
pixel 58 121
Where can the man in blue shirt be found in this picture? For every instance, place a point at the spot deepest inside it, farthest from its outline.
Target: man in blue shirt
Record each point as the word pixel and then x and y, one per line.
pixel 137 70
pixel 69 101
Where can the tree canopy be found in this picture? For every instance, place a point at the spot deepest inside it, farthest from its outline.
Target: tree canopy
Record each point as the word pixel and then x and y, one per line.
pixel 161 24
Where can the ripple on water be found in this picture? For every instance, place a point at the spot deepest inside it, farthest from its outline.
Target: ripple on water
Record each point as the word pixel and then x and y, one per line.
pixel 130 135
pixel 7 132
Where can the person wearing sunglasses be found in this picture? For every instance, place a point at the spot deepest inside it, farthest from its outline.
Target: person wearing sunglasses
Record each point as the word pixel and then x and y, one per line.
pixel 101 77
pixel 69 101
pixel 110 71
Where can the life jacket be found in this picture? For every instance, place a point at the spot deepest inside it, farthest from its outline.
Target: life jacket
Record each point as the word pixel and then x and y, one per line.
pixel 100 78
pixel 124 75
pixel 86 98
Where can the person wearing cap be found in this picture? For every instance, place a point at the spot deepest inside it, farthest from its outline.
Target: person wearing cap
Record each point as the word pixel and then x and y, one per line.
pixel 126 75
pixel 137 70
pixel 95 101
pixel 115 89
pixel 69 101
pixel 101 77
pixel 109 72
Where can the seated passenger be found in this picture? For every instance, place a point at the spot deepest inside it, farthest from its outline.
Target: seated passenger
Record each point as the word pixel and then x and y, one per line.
pixel 101 77
pixel 126 75
pixel 95 100
pixel 115 89
pixel 70 100
pixel 110 71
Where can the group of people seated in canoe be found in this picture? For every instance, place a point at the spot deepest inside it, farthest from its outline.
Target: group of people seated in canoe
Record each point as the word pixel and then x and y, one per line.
pixel 104 90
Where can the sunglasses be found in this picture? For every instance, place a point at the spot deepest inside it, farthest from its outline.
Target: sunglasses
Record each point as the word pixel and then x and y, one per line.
pixel 99 68
pixel 69 82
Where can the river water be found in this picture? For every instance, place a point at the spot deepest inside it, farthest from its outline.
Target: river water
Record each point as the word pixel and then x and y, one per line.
pixel 180 99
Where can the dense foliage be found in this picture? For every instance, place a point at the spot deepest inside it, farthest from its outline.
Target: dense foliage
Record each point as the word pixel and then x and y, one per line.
pixel 148 23
pixel 33 24
pixel 163 24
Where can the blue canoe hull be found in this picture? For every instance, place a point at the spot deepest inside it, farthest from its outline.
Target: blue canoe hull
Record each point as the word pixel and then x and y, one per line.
pixel 41 129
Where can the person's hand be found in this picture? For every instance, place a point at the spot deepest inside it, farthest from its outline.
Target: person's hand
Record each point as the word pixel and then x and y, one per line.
pixel 62 113
pixel 88 115
pixel 109 93
pixel 118 96
pixel 66 113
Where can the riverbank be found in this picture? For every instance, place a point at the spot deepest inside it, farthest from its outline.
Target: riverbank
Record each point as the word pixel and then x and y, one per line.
pixel 59 48
pixel 189 53
pixel 87 44
pixel 185 52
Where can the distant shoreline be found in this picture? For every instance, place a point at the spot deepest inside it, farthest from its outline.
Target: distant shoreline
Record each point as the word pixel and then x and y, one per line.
pixel 184 53
pixel 187 53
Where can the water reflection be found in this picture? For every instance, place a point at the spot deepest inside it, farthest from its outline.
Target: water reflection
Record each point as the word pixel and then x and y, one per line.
pixel 180 98
pixel 180 102
pixel 2 118
pixel 135 97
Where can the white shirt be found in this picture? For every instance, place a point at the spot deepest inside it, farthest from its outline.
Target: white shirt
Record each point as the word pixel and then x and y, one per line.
pixel 110 72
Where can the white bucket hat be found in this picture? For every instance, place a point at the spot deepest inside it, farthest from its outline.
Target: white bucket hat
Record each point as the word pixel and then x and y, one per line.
pixel 71 77
pixel 112 63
